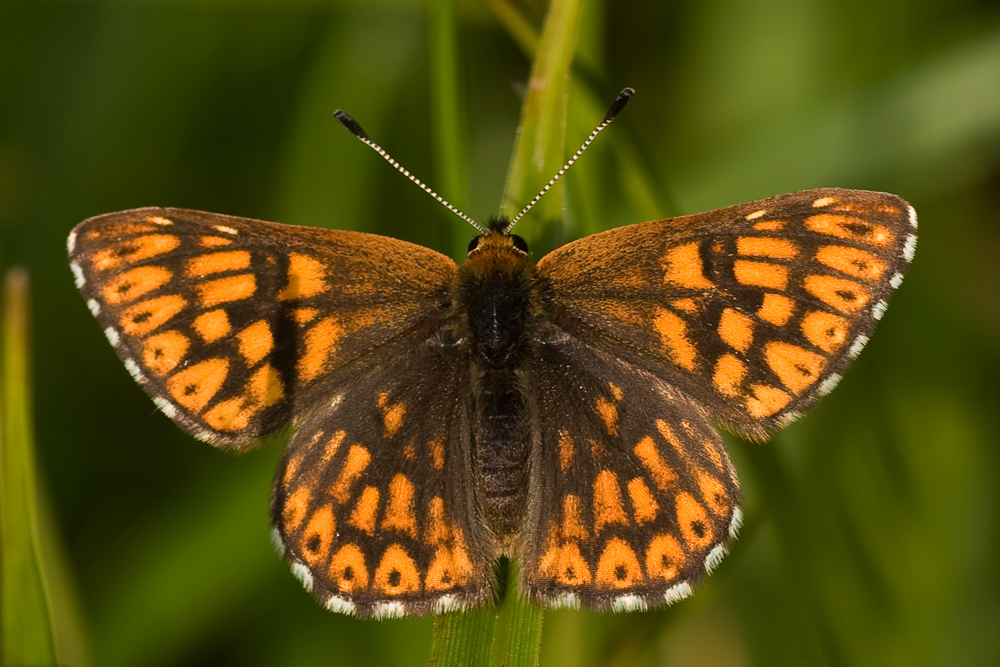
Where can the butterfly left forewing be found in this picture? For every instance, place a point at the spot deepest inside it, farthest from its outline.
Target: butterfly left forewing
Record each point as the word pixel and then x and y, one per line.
pixel 752 311
pixel 633 496
pixel 236 327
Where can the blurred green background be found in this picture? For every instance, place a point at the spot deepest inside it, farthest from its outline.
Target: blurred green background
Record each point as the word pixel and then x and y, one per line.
pixel 872 525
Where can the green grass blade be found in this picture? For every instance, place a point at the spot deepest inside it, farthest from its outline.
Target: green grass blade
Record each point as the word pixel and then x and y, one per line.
pixel 541 142
pixel 39 622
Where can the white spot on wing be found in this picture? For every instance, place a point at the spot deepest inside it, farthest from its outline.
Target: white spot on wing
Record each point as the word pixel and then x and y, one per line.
pixel 757 214
pixel 565 601
pixel 913 217
pixel 828 384
pixel 448 603
pixel 896 280
pixel 628 603
pixel 78 278
pixel 789 417
pixel 677 592
pixel 714 557
pixel 736 523
pixel 134 371
pixel 112 336
pixel 226 230
pixel 159 220
pixel 340 605
pixel 95 307
pixel 71 241
pixel 824 201
pixel 303 574
pixel 390 610
pixel 276 542
pixel 856 347
pixel 910 247
pixel 879 310
pixel 165 406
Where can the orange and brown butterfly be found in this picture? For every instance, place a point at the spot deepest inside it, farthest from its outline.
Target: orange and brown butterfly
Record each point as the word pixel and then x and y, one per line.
pixel 447 416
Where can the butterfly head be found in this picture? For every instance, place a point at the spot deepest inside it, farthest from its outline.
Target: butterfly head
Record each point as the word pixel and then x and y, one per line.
pixel 496 239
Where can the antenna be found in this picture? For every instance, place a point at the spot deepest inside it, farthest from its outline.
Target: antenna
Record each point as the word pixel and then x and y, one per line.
pixel 356 130
pixel 616 106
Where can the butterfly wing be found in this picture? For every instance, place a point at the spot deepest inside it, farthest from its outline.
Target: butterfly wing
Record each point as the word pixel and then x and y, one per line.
pixel 634 495
pixel 373 499
pixel 751 312
pixel 237 327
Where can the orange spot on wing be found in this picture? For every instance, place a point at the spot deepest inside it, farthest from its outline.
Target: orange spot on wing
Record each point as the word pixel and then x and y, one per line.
pixel 852 261
pixel 306 277
pixel 682 266
pixel 449 568
pixel 438 530
pixel 357 460
pixel 714 454
pixel 674 336
pixel 331 447
pixel 663 475
pixel 147 316
pixel 256 341
pixel 846 296
pixel 766 247
pixel 291 468
pixel 766 400
pixel 770 225
pixel 664 558
pixel 437 453
pixel 797 368
pixel 392 415
pixel 213 241
pixel 693 521
pixel 233 414
pixel 761 274
pixel 320 344
pixel 396 573
pixel 212 326
pixel 348 570
pixel 363 516
pixel 607 501
pixel 618 567
pixel 295 508
pixel 265 387
pixel 195 386
pixel 729 375
pixel 776 309
pixel 134 283
pixel 608 413
pixel 851 228
pixel 161 353
pixel 303 316
pixel 714 493
pixel 826 331
pixel 644 505
pixel 565 564
pixel 133 250
pixel 736 329
pixel 689 306
pixel 224 290
pixel 572 526
pixel 566 449
pixel 399 514
pixel 316 538
pixel 218 262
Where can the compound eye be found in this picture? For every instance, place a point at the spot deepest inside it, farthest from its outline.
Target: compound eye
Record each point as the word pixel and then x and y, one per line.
pixel 519 243
pixel 474 243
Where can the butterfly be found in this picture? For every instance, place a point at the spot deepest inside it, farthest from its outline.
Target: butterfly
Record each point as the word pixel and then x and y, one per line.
pixel 446 416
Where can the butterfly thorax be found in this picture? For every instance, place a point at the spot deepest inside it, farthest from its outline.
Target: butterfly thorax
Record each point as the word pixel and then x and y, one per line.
pixel 497 298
